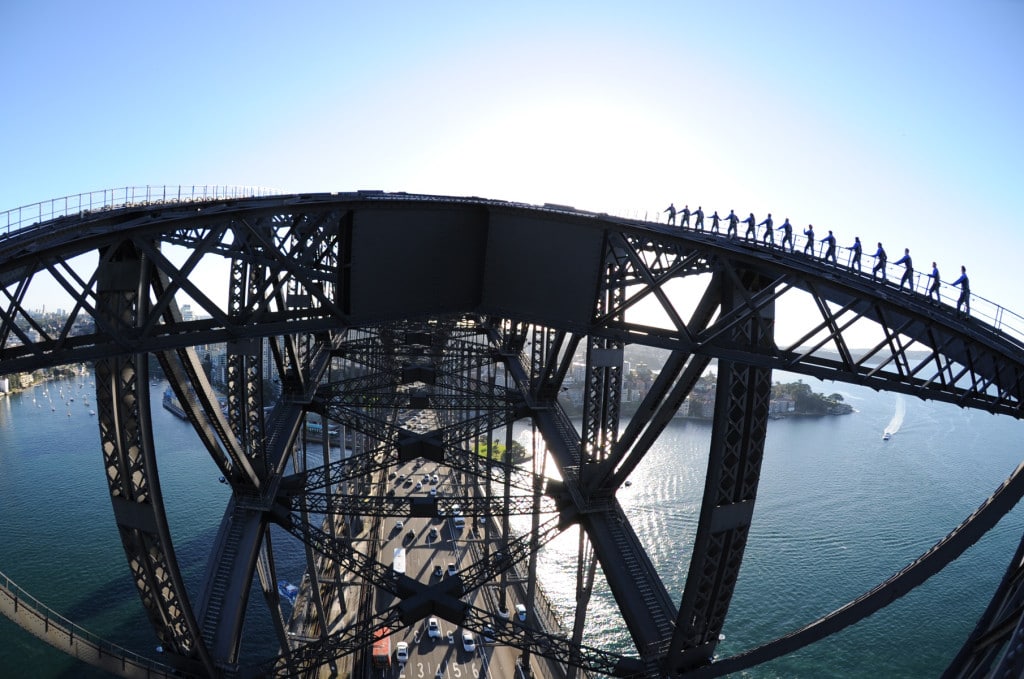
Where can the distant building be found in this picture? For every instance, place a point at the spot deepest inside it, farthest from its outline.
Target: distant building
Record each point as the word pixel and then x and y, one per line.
pixel 782 405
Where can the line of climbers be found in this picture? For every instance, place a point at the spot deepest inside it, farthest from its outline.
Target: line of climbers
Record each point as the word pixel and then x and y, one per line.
pixel 828 246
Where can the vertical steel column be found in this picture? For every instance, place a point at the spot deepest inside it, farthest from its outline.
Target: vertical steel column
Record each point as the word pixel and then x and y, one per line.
pixel 539 460
pixel 734 466
pixel 586 569
pixel 506 501
pixel 129 456
pixel 266 569
pixel 601 400
pixel 312 560
pixel 603 394
pixel 601 406
pixel 244 368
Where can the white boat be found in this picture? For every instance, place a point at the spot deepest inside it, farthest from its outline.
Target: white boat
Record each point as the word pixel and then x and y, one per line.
pixel 886 436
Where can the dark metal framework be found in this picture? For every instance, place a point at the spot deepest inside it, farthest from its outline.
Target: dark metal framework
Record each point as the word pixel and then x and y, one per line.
pixel 400 320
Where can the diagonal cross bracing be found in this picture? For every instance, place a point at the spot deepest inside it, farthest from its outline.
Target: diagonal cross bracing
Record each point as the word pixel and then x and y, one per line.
pixel 298 272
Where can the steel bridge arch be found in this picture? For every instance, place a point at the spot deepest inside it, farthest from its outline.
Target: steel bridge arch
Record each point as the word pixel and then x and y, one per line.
pixel 322 273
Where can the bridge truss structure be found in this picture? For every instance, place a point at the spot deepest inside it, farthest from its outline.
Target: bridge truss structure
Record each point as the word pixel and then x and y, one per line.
pixel 368 311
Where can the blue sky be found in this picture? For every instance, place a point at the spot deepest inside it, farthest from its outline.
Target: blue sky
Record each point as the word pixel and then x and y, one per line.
pixel 894 121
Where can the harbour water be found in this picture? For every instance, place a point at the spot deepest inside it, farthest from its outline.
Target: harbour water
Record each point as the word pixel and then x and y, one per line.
pixel 838 511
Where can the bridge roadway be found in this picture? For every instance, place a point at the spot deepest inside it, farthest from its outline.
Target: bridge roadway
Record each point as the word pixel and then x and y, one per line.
pixel 436 543
pixel 430 544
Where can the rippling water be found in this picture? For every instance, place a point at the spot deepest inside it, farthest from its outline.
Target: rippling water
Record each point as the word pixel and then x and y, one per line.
pixel 838 511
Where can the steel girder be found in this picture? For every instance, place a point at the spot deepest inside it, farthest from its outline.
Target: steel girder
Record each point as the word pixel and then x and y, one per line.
pixel 969 364
pixel 996 646
pixel 308 243
pixel 971 352
pixel 321 503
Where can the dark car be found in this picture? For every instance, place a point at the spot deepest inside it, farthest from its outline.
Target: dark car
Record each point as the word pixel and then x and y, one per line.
pixel 438 572
pixel 410 536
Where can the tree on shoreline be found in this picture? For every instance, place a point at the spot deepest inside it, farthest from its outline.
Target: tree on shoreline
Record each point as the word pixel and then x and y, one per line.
pixel 497 452
pixel 808 402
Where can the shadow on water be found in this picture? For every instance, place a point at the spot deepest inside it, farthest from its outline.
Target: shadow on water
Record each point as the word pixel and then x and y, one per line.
pixel 117 599
pixel 113 594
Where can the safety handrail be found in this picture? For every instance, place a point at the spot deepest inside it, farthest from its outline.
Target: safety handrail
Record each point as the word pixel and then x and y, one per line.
pixel 123 196
pixel 51 619
pixel 984 310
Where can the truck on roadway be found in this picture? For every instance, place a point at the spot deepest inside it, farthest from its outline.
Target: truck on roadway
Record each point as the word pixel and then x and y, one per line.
pixel 382 647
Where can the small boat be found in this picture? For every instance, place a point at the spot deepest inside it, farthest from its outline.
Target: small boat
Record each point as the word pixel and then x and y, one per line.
pixel 886 436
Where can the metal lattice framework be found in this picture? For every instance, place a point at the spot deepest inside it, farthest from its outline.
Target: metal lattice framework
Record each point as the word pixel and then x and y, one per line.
pixel 406 322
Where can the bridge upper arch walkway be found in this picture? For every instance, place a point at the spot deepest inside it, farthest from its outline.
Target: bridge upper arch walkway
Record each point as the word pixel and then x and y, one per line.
pixel 537 264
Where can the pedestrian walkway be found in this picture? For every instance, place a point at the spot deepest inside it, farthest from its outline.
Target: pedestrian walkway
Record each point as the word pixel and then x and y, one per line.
pixel 42 622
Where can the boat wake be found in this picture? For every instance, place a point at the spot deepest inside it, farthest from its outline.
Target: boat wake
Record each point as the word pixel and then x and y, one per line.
pixel 897 418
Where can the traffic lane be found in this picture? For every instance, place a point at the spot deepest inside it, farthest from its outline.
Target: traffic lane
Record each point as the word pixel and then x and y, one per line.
pixel 423 552
pixel 429 657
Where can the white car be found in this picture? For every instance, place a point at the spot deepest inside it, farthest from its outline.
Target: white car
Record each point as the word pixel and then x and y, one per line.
pixel 468 642
pixel 433 628
pixel 521 612
pixel 402 652
pixel 452 570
